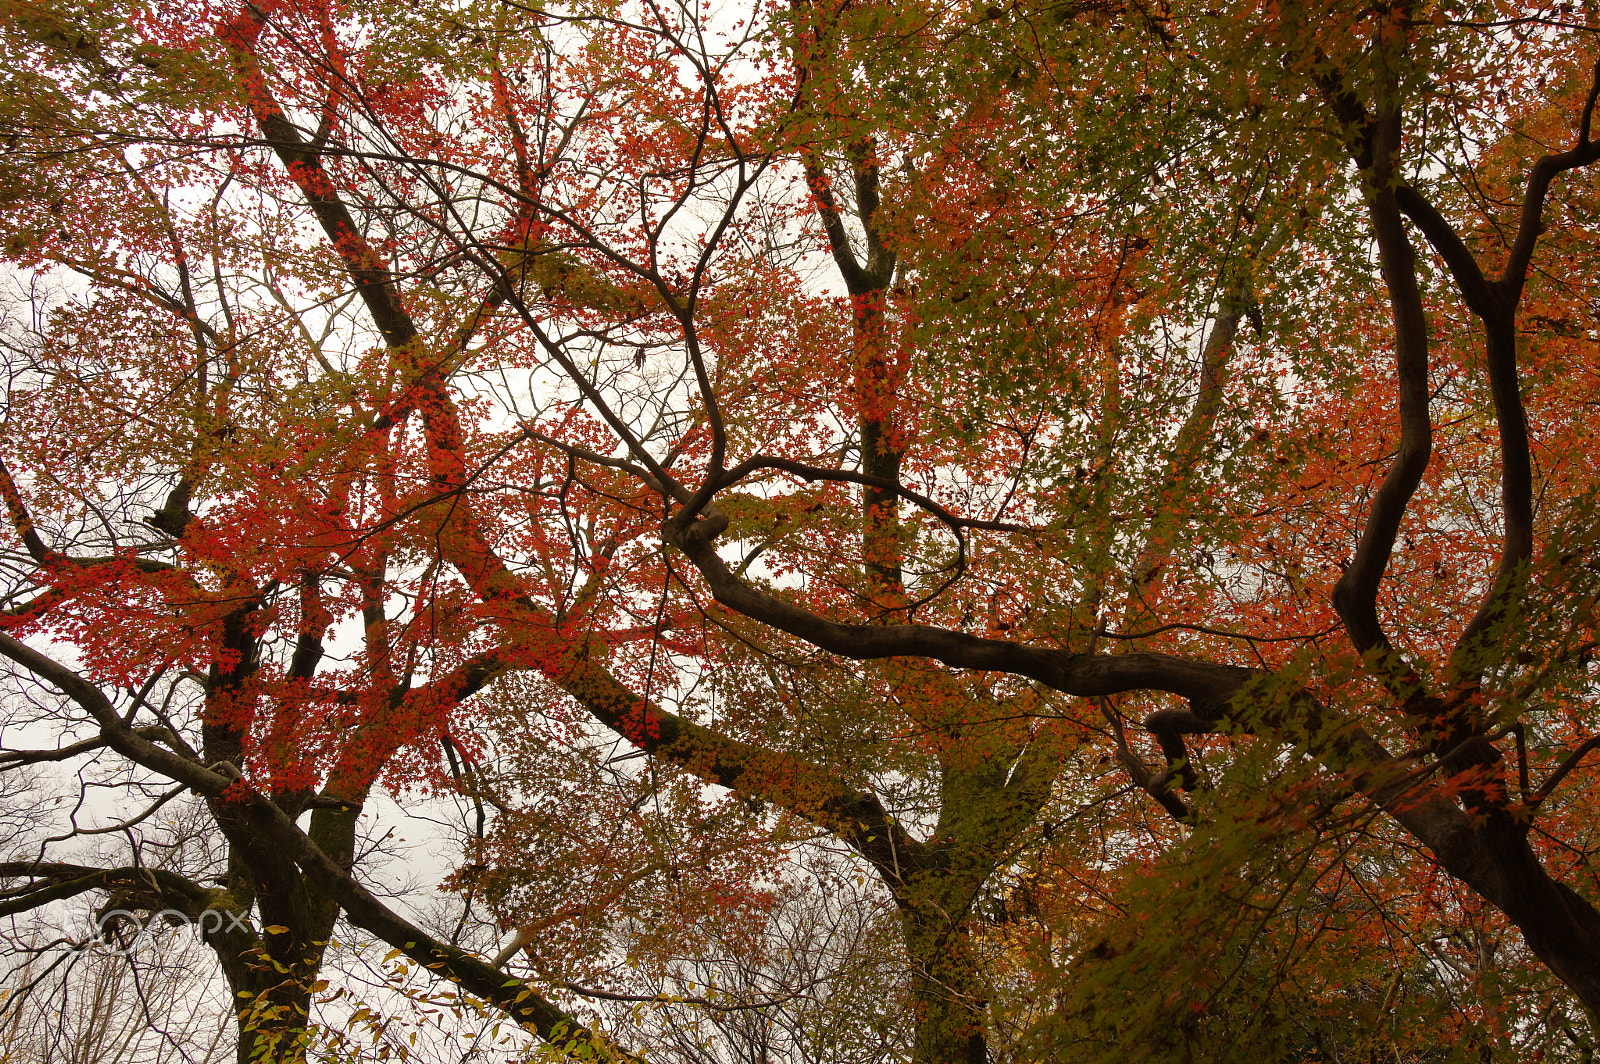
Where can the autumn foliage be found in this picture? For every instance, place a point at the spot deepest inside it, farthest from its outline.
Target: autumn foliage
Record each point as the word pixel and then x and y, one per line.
pixel 1111 481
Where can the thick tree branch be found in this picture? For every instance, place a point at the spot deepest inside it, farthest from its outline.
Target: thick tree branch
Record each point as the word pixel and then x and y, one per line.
pixel 1479 295
pixel 878 270
pixel 1355 595
pixel 21 520
pixel 1530 221
pixel 517 999
pixel 1516 485
pixel 372 278
pixel 148 887
pixel 856 280
pixel 1516 469
pixel 1159 788
pixel 780 778
pixel 1071 673
pixel 14 758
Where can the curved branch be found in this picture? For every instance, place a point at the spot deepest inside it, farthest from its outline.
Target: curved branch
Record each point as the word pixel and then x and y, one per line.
pixel 10 759
pixel 1570 762
pixel 1158 788
pixel 21 520
pixel 1069 673
pixel 1475 289
pixel 1355 596
pixel 810 473
pixel 1516 461
pixel 119 735
pixel 124 825
pixel 304 163
pixel 1530 223
pixel 516 998
pixel 70 880
pixel 856 280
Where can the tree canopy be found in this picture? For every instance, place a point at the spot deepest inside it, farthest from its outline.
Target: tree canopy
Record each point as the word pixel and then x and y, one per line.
pixel 1039 531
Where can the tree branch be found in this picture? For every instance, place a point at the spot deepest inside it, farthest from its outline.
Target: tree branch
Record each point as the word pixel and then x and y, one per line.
pixel 70 880
pixel 1530 222
pixel 1562 770
pixel 1070 673
pixel 1458 258
pixel 14 758
pixel 516 998
pixel 1355 595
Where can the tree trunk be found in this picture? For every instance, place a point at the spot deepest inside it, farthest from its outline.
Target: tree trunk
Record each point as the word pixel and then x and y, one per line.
pixel 1560 927
pixel 951 1003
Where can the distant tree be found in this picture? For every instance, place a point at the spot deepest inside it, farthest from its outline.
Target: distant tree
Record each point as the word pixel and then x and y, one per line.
pixel 104 1008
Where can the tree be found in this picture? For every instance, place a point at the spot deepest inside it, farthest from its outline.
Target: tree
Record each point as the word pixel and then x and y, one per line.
pixel 131 998
pixel 104 1009
pixel 444 393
